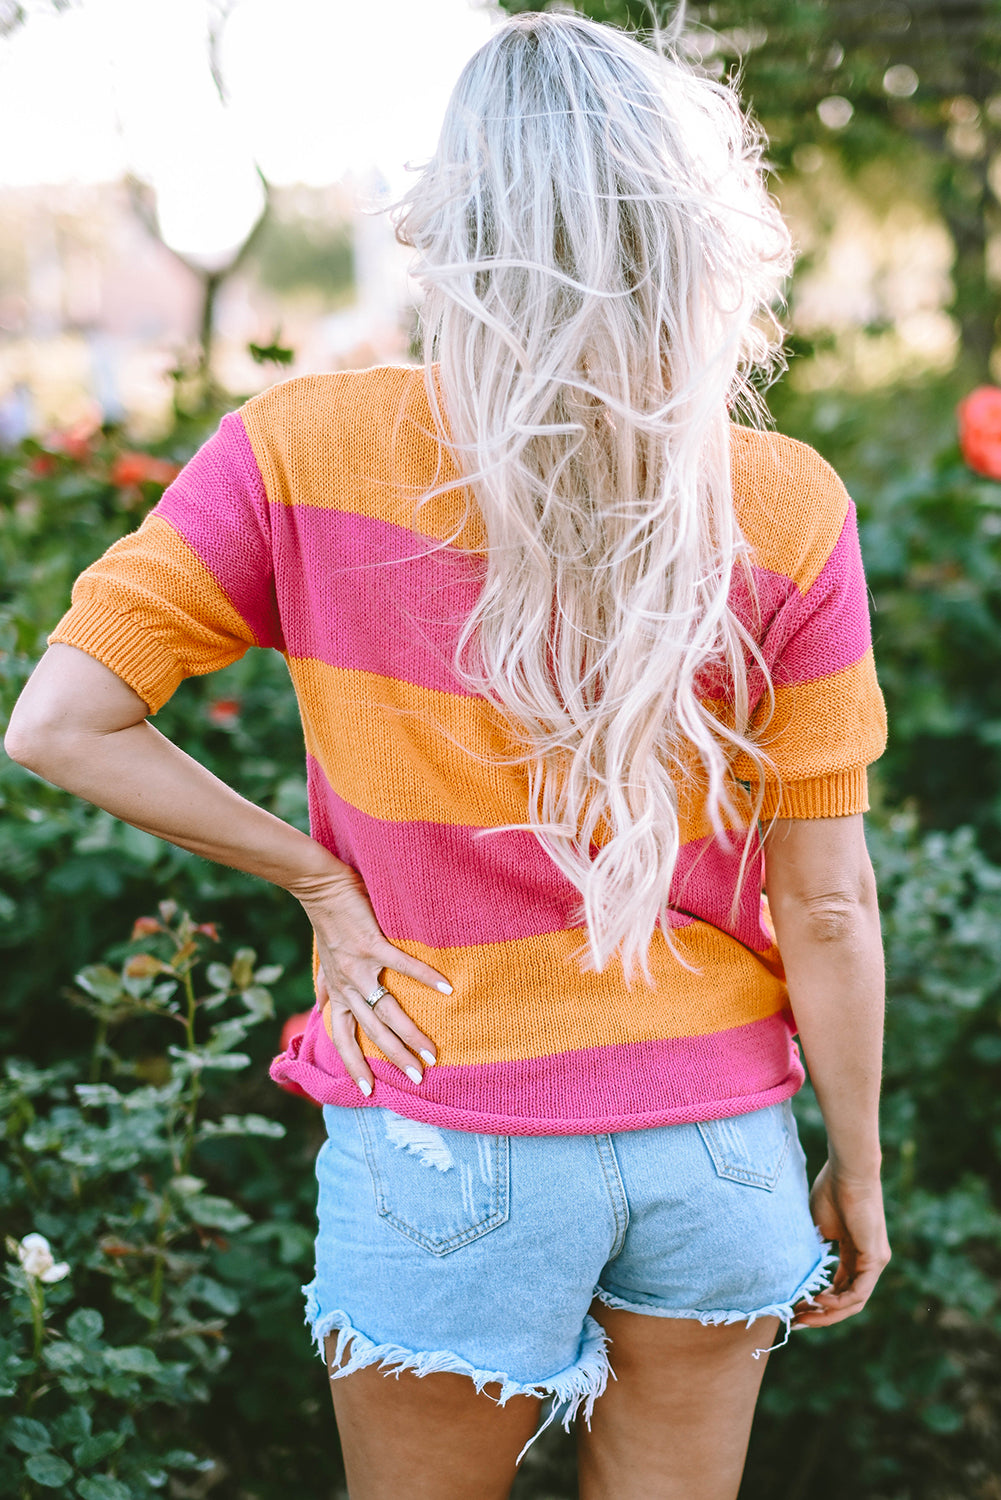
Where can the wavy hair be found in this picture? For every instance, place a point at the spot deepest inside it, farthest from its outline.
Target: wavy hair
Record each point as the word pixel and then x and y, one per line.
pixel 600 259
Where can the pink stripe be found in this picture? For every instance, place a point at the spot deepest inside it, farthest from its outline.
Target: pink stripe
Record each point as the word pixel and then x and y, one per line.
pixel 827 629
pixel 455 886
pixel 803 636
pixel 366 595
pixel 628 1087
pixel 218 505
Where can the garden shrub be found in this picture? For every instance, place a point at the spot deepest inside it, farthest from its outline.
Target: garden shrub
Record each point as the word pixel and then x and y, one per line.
pixel 114 1160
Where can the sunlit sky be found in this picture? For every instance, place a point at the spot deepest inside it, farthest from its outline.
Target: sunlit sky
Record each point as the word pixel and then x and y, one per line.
pixel 317 89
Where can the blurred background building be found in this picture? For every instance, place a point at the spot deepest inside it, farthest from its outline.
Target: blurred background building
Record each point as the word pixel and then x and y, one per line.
pixel 143 140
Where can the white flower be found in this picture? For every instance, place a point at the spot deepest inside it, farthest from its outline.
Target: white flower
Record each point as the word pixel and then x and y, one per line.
pixel 37 1259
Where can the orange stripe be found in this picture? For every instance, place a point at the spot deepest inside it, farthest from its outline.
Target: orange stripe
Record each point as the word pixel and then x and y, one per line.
pixel 790 503
pixel 829 725
pixel 372 451
pixel 359 726
pixel 151 611
pixel 362 728
pixel 529 998
pixel 359 441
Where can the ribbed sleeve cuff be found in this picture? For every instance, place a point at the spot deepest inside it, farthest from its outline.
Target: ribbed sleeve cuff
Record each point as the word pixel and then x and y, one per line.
pixel 124 647
pixel 836 796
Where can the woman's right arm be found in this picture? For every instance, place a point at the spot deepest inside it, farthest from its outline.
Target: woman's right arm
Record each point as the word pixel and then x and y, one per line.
pixel 822 897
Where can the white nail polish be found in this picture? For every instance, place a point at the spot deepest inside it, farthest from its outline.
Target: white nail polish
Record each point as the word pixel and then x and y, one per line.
pixel 413 1074
pixel 365 1086
pixel 428 1057
pixel 445 988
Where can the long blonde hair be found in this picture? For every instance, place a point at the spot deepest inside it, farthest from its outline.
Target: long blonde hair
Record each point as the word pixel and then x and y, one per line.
pixel 600 259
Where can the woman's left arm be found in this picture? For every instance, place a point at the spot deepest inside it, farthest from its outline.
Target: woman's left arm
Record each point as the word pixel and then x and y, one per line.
pixel 80 726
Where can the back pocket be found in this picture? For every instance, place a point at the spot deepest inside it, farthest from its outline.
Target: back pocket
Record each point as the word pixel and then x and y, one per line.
pixel 441 1188
pixel 750 1148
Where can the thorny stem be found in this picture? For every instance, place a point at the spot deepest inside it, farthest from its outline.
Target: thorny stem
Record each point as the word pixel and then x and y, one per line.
pixel 97 1055
pixel 36 1295
pixel 156 1293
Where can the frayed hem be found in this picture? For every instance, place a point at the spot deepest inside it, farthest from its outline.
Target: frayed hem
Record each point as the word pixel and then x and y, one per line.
pixel 818 1280
pixel 573 1390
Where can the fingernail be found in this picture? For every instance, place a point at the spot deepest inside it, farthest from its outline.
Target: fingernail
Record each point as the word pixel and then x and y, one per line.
pixel 414 1074
pixel 365 1086
pixel 428 1057
pixel 444 986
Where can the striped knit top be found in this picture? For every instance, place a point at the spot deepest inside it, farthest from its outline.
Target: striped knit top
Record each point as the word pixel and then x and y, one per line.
pixel 299 526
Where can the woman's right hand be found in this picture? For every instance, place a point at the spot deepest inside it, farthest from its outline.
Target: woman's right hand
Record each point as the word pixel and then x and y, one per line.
pixel 353 954
pixel 849 1212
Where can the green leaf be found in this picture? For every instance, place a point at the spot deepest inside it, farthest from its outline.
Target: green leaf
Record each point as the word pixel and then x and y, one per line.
pixel 133 1359
pixel 28 1435
pixel 85 1325
pixel 244 1125
pixel 259 1002
pixel 218 976
pixel 73 1426
pixel 102 1487
pixel 49 1469
pixel 185 1185
pixel 217 1213
pixel 942 1418
pixel 93 1449
pixel 226 1062
pixel 269 973
pixel 221 1299
pixel 93 1094
pixel 242 968
pixel 64 1356
pixel 101 982
pixel 226 1034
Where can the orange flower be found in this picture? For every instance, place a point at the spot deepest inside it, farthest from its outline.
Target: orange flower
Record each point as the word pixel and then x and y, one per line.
pixel 142 468
pixel 979 417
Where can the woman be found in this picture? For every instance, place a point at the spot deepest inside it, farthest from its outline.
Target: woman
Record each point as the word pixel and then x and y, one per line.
pixel 564 638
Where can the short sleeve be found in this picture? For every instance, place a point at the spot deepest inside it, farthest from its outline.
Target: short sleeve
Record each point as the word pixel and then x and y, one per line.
pixel 193 588
pixel 824 722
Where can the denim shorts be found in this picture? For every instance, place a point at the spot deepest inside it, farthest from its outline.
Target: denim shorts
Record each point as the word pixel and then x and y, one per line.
pixel 481 1254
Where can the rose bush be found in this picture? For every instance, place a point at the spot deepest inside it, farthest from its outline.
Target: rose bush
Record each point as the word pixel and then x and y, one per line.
pixel 979 419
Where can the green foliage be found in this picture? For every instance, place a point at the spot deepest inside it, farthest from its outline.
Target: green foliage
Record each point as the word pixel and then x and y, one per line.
pixel 64 864
pixel 931 538
pixel 103 1357
pixel 921 84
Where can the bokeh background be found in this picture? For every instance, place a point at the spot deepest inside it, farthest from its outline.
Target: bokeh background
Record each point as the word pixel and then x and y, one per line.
pixel 191 196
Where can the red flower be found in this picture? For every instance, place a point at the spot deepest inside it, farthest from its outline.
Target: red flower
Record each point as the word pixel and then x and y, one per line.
pixel 142 468
pixel 294 1026
pixel 76 441
pixel 43 464
pixel 225 712
pixel 979 417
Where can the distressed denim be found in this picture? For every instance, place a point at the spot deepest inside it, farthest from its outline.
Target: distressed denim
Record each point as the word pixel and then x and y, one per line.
pixel 448 1250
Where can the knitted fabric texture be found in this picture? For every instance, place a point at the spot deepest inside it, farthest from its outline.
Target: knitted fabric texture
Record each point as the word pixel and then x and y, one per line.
pixel 302 526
